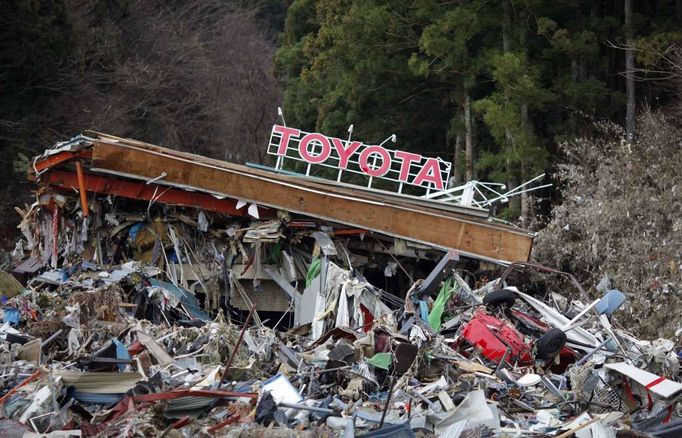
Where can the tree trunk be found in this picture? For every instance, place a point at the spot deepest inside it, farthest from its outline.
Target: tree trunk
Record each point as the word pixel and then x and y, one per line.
pixel 575 70
pixel 525 197
pixel 506 47
pixel 456 174
pixel 469 139
pixel 506 25
pixel 525 200
pixel 629 73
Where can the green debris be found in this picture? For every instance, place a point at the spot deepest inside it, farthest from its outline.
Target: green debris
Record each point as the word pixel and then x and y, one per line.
pixel 313 272
pixel 444 296
pixel 381 360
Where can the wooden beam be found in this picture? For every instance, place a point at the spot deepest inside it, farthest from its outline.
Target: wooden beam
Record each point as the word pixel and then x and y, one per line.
pixel 471 236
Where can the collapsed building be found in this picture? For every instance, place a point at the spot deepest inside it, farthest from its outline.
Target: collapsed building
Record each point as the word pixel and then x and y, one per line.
pixel 162 291
pixel 146 203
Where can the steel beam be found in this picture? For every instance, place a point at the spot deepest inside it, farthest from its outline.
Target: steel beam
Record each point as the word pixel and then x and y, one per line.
pixel 138 190
pixel 59 158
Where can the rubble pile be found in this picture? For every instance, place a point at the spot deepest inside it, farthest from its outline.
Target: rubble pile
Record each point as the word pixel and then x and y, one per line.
pixel 124 317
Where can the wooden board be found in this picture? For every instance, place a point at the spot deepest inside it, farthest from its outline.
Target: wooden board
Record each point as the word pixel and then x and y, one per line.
pixel 384 214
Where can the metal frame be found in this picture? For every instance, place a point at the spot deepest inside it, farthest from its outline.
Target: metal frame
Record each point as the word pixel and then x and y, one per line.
pixel 146 192
pixel 483 194
pixel 392 176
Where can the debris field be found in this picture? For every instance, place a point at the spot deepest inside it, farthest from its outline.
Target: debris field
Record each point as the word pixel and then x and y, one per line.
pixel 161 294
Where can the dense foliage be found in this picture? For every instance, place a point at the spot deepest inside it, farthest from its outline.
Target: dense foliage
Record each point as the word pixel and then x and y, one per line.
pixel 492 85
pixel 194 75
pixel 510 79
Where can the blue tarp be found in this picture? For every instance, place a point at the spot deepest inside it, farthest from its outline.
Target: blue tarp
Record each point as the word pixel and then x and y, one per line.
pixel 12 315
pixel 121 353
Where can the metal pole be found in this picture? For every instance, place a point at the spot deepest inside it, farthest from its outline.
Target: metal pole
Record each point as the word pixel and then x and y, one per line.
pixel 307 408
pixel 81 189
pixel 226 284
pixel 591 353
pixel 239 341
pixel 388 402
pixel 51 338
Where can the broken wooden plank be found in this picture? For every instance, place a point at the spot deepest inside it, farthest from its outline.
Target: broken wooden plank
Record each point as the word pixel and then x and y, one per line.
pixel 470 236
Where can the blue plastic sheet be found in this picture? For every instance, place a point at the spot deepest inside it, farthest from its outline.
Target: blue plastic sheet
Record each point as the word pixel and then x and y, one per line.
pixel 12 315
pixel 132 232
pixel 611 302
pixel 424 310
pixel 121 353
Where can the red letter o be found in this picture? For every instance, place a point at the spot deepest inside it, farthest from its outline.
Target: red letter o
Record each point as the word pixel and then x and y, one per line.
pixel 385 161
pixel 320 139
